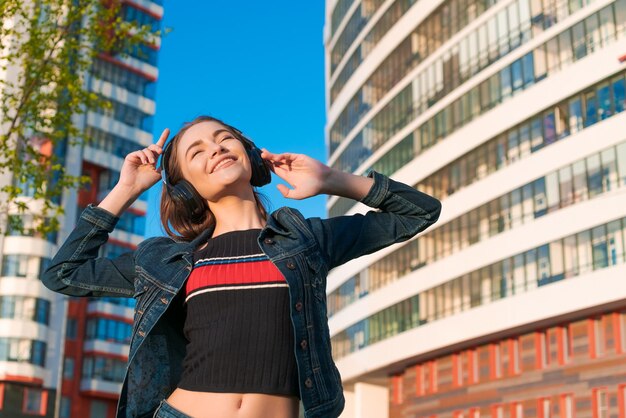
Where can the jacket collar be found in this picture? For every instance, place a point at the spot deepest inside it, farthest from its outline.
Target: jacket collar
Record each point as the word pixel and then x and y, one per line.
pixel 279 222
pixel 182 248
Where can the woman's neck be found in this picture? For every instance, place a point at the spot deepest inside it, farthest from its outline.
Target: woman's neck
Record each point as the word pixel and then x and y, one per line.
pixel 234 214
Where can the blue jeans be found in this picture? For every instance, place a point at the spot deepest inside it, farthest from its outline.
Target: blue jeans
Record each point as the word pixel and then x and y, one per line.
pixel 165 410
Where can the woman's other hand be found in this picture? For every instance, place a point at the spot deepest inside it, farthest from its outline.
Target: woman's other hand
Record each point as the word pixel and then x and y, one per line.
pixel 306 175
pixel 309 177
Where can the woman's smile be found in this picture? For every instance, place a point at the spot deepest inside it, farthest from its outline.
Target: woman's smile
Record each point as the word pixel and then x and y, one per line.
pixel 224 163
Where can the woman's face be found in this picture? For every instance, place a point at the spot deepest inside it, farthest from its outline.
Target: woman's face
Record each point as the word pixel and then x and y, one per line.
pixel 213 160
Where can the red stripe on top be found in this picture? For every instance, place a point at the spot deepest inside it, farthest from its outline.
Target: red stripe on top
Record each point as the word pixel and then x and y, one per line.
pixel 233 274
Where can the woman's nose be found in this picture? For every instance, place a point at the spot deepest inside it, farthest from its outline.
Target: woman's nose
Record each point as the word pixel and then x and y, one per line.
pixel 218 149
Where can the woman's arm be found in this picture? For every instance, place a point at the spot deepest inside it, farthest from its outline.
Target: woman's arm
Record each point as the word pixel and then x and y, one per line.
pixel 404 211
pixel 76 269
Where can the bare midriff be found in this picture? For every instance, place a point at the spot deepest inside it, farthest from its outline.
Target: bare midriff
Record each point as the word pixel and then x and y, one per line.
pixel 234 405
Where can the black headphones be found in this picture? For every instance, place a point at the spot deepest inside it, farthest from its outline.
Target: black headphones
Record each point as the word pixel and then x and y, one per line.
pixel 189 198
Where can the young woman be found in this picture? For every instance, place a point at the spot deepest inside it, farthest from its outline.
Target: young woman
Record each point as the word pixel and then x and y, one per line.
pixel 230 317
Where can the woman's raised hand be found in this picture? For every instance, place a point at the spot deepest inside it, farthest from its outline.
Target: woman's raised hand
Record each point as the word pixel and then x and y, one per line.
pixel 306 175
pixel 309 177
pixel 139 171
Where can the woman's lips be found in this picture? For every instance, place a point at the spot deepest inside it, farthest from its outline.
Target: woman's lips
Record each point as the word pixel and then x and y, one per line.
pixel 224 164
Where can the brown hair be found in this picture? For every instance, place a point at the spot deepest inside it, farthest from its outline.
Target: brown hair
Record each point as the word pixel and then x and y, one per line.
pixel 173 216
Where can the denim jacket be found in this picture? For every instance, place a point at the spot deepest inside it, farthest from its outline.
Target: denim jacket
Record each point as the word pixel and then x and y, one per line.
pixel 304 250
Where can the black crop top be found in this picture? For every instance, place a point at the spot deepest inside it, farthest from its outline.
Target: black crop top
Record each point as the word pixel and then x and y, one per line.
pixel 237 324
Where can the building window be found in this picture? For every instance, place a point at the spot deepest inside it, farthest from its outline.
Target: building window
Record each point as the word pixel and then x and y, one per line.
pixel 516 410
pixel 98 409
pixel 596 340
pixel 35 401
pixel 497 411
pixel 68 368
pixel 71 328
pixel 567 406
pixel 64 408
pixel 600 403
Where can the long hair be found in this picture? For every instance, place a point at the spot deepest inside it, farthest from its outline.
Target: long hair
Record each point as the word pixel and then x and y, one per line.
pixel 173 218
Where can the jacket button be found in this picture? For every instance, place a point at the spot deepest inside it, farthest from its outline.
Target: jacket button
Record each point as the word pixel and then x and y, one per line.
pixel 164 301
pixel 143 334
pixel 268 241
pixel 308 383
pixel 298 306
pixel 291 265
pixel 304 344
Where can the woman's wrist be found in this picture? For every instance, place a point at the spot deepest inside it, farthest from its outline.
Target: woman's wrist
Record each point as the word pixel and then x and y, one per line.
pixel 119 199
pixel 351 186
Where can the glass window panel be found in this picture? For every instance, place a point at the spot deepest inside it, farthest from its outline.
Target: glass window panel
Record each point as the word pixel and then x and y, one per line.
pixel 505 83
pixel 609 169
pixel 543 264
pixel 621 163
pixel 562 120
pixel 505 211
pixel 570 256
pixel 607 25
pixel 579 173
pixel 584 251
pixel 594 175
pixel 605 105
pixel 531 268
pixel 593 33
pixel 519 274
pixel 540 198
pixel 556 260
pixel 528 212
pixel 615 243
pixel 565 48
pixel 578 36
pixel 566 186
pixel 516 207
pixel 552 54
pixel 539 59
pixel 620 16
pixel 524 139
pixel 619 93
pixel 576 115
pixel 503 32
pixel 528 68
pixel 599 247
pixel 501 152
pixel 549 127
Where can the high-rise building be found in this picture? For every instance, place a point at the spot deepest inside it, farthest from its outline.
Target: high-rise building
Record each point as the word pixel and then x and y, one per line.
pixel 62 356
pixel 511 112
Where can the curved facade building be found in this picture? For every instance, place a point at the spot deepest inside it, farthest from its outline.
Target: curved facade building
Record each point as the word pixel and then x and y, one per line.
pixel 511 112
pixel 66 357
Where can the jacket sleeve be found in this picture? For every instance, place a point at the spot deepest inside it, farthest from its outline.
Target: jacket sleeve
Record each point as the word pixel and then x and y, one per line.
pixel 403 212
pixel 76 269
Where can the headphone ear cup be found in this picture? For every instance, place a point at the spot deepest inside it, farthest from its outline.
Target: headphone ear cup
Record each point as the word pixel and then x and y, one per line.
pixel 261 173
pixel 190 199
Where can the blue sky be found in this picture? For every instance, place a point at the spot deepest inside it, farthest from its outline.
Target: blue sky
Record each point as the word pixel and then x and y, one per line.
pixel 258 66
